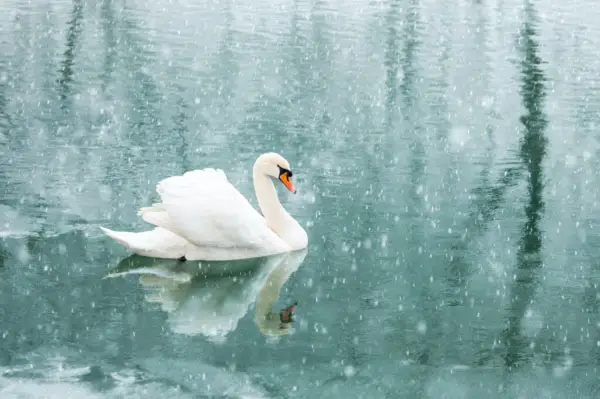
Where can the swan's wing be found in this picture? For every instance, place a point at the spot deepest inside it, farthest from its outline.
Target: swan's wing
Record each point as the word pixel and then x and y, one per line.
pixel 204 208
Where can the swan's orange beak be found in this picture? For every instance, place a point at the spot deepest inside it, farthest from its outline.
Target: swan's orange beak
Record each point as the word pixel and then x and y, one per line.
pixel 287 181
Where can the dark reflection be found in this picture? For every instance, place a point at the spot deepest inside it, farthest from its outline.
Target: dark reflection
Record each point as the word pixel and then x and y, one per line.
pixel 391 61
pixel 145 102
pixel 3 253
pixel 410 93
pixel 73 33
pixel 180 120
pixel 419 350
pixel 533 149
pixel 210 298
pixel 109 22
pixel 5 118
pixel 489 198
pixel 412 124
pixel 17 82
pixel 438 98
pixel 489 194
pixel 409 68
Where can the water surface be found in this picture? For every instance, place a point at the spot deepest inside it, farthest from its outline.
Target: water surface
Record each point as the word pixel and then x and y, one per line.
pixel 446 159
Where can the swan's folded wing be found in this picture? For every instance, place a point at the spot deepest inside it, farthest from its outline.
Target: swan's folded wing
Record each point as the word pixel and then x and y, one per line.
pixel 203 207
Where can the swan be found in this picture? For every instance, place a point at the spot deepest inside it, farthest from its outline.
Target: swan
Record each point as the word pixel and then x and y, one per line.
pixel 204 217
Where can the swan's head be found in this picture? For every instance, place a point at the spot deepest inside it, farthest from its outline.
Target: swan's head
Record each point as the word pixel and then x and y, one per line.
pixel 274 165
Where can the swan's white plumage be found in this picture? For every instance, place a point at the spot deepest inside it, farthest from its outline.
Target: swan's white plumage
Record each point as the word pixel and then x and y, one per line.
pixel 157 243
pixel 202 216
pixel 207 210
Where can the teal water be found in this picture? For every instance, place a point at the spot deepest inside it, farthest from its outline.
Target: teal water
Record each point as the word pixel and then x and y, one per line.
pixel 446 159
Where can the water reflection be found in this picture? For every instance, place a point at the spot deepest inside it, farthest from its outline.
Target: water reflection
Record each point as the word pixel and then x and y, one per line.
pixel 419 349
pixel 533 149
pixel 5 117
pixel 489 198
pixel 330 83
pixel 210 298
pixel 73 33
pixel 391 62
pixel 110 41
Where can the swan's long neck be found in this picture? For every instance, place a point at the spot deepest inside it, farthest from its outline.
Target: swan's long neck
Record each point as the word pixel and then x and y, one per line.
pixel 268 201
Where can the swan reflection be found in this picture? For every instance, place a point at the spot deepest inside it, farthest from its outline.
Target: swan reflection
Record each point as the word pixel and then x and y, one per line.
pixel 209 298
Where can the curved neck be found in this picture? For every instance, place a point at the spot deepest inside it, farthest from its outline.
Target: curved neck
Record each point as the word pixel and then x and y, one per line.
pixel 268 201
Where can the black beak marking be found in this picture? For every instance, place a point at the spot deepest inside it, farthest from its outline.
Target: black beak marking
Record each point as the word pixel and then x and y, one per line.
pixel 283 171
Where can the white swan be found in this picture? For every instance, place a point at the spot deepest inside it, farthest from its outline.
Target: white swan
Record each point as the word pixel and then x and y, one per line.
pixel 203 217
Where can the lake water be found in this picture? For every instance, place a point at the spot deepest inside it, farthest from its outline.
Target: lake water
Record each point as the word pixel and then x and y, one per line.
pixel 446 156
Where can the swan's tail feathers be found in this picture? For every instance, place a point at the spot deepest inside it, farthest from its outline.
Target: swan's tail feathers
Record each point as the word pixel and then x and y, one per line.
pixel 157 243
pixel 159 207
pixel 120 237
pixel 157 215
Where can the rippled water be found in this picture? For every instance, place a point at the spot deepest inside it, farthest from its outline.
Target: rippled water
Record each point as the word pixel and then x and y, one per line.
pixel 446 157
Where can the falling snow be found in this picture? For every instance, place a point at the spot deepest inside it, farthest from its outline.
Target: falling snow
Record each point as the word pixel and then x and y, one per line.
pixel 446 161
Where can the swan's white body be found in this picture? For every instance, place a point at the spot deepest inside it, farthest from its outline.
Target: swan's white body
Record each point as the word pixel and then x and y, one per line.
pixel 203 217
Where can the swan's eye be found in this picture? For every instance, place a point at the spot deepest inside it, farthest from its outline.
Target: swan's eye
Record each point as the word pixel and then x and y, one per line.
pixel 284 171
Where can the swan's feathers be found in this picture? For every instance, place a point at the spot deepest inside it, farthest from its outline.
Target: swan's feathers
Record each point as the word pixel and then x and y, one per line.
pixel 205 209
